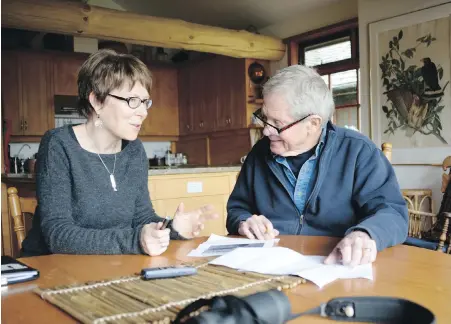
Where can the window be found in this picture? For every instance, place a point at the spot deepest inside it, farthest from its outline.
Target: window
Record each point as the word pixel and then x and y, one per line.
pixel 333 52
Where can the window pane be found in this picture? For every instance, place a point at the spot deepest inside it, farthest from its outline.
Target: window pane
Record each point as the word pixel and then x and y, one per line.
pixel 328 52
pixel 346 117
pixel 344 87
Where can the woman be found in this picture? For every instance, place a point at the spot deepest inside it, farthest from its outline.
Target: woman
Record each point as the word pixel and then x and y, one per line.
pixel 92 178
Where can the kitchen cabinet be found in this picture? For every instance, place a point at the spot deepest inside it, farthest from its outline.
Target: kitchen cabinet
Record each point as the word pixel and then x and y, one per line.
pixel 65 73
pixel 27 92
pixel 214 93
pixel 194 190
pixel 163 116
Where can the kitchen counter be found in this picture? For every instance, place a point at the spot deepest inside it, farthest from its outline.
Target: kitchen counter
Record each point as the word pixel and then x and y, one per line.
pixel 193 169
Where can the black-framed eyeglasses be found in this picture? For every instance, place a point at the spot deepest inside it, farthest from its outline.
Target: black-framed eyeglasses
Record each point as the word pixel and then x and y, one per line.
pixel 261 120
pixel 134 102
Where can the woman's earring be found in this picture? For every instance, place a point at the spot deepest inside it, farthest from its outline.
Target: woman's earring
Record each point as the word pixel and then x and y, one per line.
pixel 98 122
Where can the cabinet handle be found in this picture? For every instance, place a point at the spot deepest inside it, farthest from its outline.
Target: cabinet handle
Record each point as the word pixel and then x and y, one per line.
pixel 188 126
pixel 201 124
pixel 26 125
pixel 21 124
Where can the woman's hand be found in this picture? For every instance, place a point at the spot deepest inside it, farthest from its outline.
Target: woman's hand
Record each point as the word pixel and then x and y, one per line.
pixel 153 239
pixel 189 224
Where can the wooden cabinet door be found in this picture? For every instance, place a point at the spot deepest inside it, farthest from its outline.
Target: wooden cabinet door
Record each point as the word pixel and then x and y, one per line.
pixel 65 74
pixel 11 95
pixel 37 93
pixel 184 94
pixel 163 116
pixel 167 207
pixel 230 88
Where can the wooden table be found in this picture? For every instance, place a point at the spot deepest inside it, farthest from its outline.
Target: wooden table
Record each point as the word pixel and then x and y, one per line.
pixel 417 274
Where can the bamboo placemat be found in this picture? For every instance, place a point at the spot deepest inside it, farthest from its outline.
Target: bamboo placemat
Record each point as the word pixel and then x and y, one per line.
pixel 133 300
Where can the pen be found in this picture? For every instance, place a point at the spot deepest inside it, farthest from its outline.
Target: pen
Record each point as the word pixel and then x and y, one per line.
pixel 165 222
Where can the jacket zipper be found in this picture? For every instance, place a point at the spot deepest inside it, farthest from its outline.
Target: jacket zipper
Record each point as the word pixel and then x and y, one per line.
pixel 300 216
pixel 318 183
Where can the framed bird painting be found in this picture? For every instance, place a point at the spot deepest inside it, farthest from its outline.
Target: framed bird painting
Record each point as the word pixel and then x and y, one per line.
pixel 410 75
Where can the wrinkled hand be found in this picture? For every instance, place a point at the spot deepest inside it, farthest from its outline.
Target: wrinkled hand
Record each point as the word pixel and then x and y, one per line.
pixel 354 249
pixel 257 226
pixel 189 224
pixel 153 239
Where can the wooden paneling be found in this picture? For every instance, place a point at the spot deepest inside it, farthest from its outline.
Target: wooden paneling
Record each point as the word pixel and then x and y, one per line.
pixel 170 187
pixel 11 93
pixel 195 148
pixel 37 95
pixel 184 94
pixel 228 147
pixel 27 92
pixel 65 73
pixel 163 116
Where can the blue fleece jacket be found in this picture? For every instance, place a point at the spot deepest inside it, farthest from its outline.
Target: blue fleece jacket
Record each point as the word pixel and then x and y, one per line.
pixel 356 188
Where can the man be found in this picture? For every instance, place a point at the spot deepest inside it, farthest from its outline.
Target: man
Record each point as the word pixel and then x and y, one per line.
pixel 309 177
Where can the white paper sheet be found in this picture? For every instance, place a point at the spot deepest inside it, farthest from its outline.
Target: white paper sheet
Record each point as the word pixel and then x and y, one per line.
pixel 219 245
pixel 284 261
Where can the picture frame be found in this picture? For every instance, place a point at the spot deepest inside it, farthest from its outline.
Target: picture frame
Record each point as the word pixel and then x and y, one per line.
pixel 410 104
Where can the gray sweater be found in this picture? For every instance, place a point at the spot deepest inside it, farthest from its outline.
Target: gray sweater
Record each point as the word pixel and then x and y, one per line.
pixel 78 211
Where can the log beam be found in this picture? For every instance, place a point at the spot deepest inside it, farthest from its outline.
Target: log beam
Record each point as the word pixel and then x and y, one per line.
pixel 76 18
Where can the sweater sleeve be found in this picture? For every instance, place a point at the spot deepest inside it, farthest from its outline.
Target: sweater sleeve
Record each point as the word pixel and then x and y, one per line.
pixel 144 212
pixel 61 234
pixel 382 209
pixel 241 205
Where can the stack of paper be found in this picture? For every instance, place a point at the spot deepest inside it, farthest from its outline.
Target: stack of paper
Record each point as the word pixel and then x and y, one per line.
pixel 219 245
pixel 14 271
pixel 284 261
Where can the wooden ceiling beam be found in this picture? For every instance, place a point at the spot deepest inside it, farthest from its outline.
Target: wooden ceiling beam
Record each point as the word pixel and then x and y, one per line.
pixel 78 19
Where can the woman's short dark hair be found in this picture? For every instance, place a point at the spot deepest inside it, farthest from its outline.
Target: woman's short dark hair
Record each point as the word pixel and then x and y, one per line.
pixel 106 70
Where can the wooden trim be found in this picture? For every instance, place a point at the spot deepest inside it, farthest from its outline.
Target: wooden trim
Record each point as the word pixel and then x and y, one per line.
pixel 417 164
pixel 207 145
pixel 147 138
pixel 323 31
pixel 81 19
pixel 293 53
pixel 339 66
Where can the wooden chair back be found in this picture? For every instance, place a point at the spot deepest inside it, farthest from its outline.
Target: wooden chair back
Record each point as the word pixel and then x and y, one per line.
pixel 18 207
pixel 423 222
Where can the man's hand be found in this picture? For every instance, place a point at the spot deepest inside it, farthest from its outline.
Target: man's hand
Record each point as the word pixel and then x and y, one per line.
pixel 354 249
pixel 153 239
pixel 257 226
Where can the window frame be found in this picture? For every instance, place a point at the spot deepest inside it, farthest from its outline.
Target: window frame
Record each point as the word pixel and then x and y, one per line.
pixel 331 32
pixel 345 28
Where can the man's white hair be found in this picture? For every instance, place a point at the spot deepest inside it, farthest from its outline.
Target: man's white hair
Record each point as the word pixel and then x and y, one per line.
pixel 305 91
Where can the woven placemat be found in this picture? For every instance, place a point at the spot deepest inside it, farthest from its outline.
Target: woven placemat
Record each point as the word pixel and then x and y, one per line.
pixel 133 300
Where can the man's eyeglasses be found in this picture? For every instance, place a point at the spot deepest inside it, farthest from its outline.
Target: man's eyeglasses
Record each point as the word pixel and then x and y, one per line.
pixel 134 102
pixel 261 120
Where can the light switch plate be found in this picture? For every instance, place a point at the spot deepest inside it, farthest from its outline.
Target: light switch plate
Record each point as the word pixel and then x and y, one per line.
pixel 194 187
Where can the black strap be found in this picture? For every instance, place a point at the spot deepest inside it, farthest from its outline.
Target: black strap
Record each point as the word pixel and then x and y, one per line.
pixel 233 310
pixel 373 310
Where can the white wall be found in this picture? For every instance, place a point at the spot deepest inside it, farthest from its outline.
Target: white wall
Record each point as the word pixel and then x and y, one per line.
pixel 409 177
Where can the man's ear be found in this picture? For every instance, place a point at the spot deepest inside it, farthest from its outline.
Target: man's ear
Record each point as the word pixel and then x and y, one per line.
pixel 94 103
pixel 316 122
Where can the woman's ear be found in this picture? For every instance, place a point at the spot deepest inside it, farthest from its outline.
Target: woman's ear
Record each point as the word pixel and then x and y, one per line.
pixel 94 103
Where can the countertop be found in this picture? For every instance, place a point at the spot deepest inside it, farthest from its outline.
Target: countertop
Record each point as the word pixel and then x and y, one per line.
pixel 28 178
pixel 193 169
